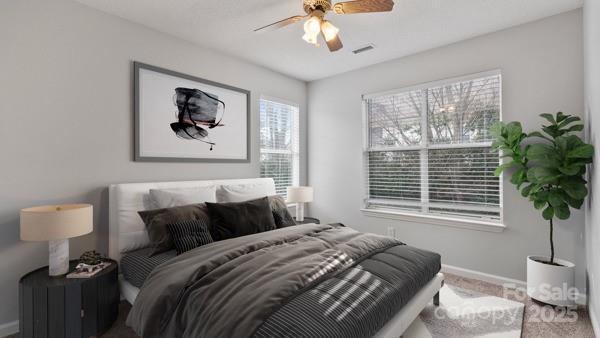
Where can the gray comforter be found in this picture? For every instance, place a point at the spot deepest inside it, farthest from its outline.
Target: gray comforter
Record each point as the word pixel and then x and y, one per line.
pixel 236 287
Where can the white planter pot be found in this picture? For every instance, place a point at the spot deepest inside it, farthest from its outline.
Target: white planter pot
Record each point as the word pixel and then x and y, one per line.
pixel 551 284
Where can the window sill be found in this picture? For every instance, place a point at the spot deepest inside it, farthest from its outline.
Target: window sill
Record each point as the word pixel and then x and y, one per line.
pixel 435 220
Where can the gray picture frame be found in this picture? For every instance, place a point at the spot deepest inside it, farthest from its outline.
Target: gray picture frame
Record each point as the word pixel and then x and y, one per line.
pixel 137 66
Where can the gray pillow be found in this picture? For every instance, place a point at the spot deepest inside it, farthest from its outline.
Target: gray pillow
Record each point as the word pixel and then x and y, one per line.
pixel 156 223
pixel 168 198
pixel 281 214
pixel 230 220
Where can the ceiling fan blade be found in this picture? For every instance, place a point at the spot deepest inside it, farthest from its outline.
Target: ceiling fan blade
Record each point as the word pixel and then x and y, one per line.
pixel 333 44
pixel 281 23
pixel 363 6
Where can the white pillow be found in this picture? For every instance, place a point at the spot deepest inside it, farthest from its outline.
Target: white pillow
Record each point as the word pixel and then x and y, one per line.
pixel 168 198
pixel 244 192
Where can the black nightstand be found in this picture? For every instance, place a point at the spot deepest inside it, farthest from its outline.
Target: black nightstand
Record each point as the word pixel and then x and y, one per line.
pixel 68 307
pixel 308 220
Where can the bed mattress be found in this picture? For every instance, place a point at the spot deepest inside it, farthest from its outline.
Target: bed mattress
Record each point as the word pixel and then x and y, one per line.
pixel 137 265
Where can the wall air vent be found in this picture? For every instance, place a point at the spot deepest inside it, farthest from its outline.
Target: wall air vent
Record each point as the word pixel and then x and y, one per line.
pixel 363 49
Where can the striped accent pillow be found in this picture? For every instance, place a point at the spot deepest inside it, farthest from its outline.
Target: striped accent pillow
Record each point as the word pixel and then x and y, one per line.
pixel 189 234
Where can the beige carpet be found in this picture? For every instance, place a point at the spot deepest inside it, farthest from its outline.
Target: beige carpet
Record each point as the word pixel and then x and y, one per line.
pixel 532 327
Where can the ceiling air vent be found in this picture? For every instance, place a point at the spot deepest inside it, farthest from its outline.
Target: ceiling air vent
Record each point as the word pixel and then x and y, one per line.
pixel 363 49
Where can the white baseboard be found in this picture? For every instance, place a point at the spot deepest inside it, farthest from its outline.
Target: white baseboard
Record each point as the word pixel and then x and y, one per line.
pixel 9 328
pixel 498 280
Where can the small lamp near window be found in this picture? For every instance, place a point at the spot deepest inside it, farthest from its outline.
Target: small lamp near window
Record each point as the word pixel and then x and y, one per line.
pixel 299 195
pixel 56 224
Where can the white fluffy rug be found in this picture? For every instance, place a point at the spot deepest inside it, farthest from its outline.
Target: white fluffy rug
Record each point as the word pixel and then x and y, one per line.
pixel 466 313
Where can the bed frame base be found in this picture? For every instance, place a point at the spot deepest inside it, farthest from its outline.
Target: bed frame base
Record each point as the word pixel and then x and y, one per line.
pixel 402 320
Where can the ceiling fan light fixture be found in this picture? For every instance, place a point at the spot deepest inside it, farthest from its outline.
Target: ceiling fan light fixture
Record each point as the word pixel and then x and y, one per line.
pixel 330 31
pixel 312 39
pixel 312 28
pixel 316 10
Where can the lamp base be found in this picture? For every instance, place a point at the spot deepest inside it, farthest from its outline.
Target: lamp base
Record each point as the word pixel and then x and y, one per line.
pixel 300 212
pixel 58 263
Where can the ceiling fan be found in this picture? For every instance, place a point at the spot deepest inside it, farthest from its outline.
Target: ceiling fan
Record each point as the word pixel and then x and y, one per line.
pixel 316 23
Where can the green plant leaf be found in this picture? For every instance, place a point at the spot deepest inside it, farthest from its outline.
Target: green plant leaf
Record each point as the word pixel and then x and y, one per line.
pixel 560 116
pixel 562 212
pixel 574 187
pixel 582 151
pixel 555 199
pixel 514 131
pixel 548 213
pixel 551 130
pixel 496 129
pixel 543 155
pixel 527 190
pixel 537 151
pixel 569 170
pixel 548 117
pixel 562 143
pixel 577 127
pixel 538 134
pixel 573 202
pixel 542 175
pixel 519 177
pixel 538 204
pixel 573 141
pixel 568 120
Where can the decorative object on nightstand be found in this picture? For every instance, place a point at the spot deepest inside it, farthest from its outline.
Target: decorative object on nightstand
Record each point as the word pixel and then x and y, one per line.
pixel 308 220
pixel 56 224
pixel 64 307
pixel 300 195
pixel 90 264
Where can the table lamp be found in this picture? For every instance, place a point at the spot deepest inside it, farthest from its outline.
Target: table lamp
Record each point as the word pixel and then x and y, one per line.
pixel 299 195
pixel 56 224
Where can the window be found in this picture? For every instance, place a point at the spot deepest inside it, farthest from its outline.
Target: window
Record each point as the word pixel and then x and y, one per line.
pixel 279 143
pixel 428 148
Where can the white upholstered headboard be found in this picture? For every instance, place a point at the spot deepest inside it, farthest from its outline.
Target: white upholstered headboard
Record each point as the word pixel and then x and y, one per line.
pixel 127 230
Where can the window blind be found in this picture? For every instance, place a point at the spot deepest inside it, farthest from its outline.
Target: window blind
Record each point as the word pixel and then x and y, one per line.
pixel 429 149
pixel 279 144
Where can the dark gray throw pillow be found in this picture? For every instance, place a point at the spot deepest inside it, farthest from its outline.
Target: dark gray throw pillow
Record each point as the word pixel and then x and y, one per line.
pixel 156 223
pixel 283 218
pixel 190 234
pixel 229 220
pixel 281 214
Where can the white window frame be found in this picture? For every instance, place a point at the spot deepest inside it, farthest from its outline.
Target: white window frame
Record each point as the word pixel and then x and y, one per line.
pixel 295 151
pixel 423 216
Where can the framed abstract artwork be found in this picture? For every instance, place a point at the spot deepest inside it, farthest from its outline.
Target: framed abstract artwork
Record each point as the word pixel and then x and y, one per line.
pixel 183 118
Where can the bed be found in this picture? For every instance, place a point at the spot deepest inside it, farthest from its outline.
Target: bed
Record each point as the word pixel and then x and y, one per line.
pixel 371 253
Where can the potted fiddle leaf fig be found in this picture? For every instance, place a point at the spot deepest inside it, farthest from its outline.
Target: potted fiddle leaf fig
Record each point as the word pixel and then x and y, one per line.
pixel 548 167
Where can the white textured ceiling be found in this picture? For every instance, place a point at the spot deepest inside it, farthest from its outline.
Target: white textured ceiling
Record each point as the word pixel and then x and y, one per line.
pixel 413 26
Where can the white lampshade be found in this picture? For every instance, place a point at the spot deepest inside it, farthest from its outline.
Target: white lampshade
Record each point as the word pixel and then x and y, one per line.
pixel 52 222
pixel 299 194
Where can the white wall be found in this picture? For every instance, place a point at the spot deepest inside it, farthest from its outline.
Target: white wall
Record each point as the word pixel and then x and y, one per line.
pixel 591 33
pixel 542 71
pixel 66 128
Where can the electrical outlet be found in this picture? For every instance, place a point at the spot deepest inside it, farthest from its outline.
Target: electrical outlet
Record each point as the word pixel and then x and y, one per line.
pixel 391 231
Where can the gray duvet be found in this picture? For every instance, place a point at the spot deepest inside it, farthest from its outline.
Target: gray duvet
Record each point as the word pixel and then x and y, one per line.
pixel 252 285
